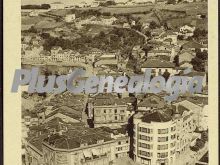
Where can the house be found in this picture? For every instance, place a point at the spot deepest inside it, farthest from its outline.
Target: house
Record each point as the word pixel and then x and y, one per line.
pixel 150 102
pixel 34 151
pixel 156 33
pixel 122 140
pixel 32 53
pixel 94 4
pixel 143 1
pixel 109 110
pixel 121 2
pixel 193 45
pixel 30 118
pixel 163 51
pixel 195 73
pixel 169 35
pixel 66 114
pixel 33 13
pixel 79 146
pixel 57 5
pixel 108 20
pixel 44 56
pixel 146 25
pixel 189 1
pixel 159 66
pixel 161 54
pixel 83 4
pixel 185 28
pixel 126 25
pixel 70 17
pixel 186 56
pixel 137 52
pixel 186 65
pixel 161 2
pixel 70 145
pixel 133 23
pixel 198 110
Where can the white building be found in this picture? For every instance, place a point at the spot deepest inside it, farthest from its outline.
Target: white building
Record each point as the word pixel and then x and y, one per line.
pixel 143 1
pixel 154 139
pixel 70 17
pixel 122 140
pixel 187 28
pixel 162 135
pixel 57 5
pixel 33 13
pixel 159 67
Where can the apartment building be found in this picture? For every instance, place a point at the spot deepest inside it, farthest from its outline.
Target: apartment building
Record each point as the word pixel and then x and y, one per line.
pixel 154 138
pixel 160 137
pixel 109 110
pixel 79 146
pixel 122 140
pixel 70 145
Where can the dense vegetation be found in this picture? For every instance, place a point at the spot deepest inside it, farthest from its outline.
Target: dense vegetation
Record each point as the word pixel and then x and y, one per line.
pixel 43 6
pixel 116 39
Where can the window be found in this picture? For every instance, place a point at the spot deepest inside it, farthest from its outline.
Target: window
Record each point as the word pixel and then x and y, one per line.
pixel 116 118
pixel 104 111
pixel 146 130
pixel 172 144
pixel 162 139
pixel 172 152
pixel 147 138
pixel 162 131
pixel 173 136
pixel 173 128
pixel 162 155
pixel 115 110
pixel 144 153
pixel 119 143
pixel 162 147
pixel 147 146
pixel 119 148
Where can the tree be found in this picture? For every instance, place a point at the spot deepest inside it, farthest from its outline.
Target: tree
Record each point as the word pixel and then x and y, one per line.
pixel 106 14
pixel 32 30
pixel 176 60
pixel 198 64
pixel 45 6
pixel 194 148
pixel 102 34
pixel 153 25
pixel 171 1
pixel 203 16
pixel 166 75
pixel 199 33
pixel 200 143
pixel 45 35
pixel 203 55
pixel 180 37
pixel 107 3
pixel 199 61
pixel 148 34
pixel 204 136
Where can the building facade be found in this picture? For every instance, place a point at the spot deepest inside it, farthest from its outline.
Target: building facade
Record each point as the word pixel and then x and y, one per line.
pixel 154 141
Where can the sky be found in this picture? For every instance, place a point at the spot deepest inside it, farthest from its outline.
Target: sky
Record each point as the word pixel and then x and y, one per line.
pixel 27 2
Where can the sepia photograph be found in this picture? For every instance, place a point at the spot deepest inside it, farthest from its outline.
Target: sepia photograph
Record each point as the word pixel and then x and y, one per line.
pixel 114 82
